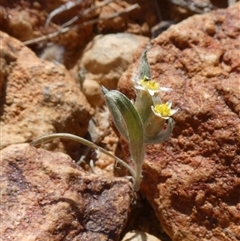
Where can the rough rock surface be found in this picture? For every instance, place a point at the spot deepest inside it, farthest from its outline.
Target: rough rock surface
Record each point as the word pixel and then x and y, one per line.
pixel 37 97
pixel 193 180
pixel 108 56
pixel 45 196
pixel 92 91
pixel 26 19
pixel 140 21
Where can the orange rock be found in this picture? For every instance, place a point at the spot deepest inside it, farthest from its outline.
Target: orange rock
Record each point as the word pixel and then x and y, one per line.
pixel 38 98
pixel 192 180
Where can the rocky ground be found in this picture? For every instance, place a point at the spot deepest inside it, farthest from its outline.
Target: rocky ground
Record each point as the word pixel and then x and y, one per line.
pixel 51 73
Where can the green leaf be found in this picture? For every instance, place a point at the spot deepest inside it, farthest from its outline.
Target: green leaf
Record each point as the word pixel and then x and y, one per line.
pixel 163 135
pixel 117 116
pixel 144 67
pixel 129 124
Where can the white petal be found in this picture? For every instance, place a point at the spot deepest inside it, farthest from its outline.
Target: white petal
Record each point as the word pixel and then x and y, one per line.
pixel 139 87
pixel 165 89
pixel 152 92
pixel 169 103
pixel 172 112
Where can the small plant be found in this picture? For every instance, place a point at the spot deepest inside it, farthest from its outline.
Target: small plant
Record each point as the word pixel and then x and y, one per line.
pixel 140 122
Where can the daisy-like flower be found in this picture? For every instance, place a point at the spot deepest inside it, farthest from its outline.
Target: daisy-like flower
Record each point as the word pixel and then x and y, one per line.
pixel 164 110
pixel 154 131
pixel 150 85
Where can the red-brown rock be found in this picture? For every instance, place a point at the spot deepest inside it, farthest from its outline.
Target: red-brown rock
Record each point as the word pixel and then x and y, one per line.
pixel 45 196
pixel 193 180
pixel 38 97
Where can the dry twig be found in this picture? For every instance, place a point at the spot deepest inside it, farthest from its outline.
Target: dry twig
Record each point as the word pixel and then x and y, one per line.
pixel 74 19
pixel 84 24
pixel 193 6
pixel 61 9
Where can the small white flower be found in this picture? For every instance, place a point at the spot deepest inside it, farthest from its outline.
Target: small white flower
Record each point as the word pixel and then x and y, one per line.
pixel 164 110
pixel 150 85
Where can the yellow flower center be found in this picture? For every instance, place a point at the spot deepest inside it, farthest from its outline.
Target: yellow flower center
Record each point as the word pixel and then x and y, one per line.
pixel 149 84
pixel 163 110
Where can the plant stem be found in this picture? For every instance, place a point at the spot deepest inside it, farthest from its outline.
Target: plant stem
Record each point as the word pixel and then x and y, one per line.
pixel 83 141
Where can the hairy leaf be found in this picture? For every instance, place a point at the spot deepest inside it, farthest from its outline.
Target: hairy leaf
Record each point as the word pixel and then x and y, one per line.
pixel 129 123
